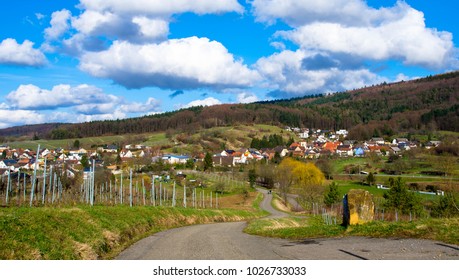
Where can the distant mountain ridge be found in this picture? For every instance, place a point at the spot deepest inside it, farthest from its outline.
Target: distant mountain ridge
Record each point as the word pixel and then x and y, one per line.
pixel 430 103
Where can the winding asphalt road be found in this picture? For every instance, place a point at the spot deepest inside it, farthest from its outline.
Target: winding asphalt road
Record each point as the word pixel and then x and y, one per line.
pixel 226 241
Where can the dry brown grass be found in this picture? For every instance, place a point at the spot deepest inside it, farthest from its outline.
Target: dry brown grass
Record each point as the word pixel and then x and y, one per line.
pixel 278 204
pixel 112 239
pixel 237 201
pixel 84 251
pixel 283 223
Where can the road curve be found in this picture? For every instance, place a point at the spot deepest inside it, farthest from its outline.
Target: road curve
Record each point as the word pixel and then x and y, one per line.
pixel 266 205
pixel 226 241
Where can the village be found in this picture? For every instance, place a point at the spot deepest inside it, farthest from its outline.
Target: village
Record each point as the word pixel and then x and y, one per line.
pixel 312 144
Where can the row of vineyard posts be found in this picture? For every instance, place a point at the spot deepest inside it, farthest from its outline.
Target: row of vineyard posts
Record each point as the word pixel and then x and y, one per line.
pixel 29 190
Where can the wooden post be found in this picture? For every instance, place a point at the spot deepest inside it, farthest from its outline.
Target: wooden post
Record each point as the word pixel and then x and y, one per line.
pixel 173 195
pixel 143 191
pixel 34 176
pixel 44 184
pixel 121 188
pixel 54 187
pixel 130 188
pixel 202 199
pixel 19 188
pixel 25 187
pixel 160 193
pixel 153 191
pixel 116 188
pixel 8 187
pixel 59 190
pixel 184 196
pixel 93 177
pixel 50 178
pixel 194 198
pixel 137 192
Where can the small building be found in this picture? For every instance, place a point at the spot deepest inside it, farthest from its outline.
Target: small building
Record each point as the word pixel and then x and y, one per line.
pixel 175 159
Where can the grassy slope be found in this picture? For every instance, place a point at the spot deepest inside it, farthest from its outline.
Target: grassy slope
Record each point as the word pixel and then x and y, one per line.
pixel 93 232
pixel 233 137
pixel 445 230
pixel 66 143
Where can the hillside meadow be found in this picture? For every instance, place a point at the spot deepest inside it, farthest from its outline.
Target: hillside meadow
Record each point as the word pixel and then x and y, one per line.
pixel 99 232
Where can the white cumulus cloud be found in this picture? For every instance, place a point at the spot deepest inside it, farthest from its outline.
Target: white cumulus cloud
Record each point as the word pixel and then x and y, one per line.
pixel 60 23
pixel 150 105
pixel 140 21
pixel 297 13
pixel 152 28
pixel 160 7
pixel 405 39
pixel 29 104
pixel 247 97
pixel 337 40
pixel 352 27
pixel 289 76
pixel 174 64
pixel 24 54
pixel 9 118
pixel 33 97
pixel 81 103
pixel 210 101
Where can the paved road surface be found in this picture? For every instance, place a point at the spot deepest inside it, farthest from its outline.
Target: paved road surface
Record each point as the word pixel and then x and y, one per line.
pixel 266 205
pixel 226 241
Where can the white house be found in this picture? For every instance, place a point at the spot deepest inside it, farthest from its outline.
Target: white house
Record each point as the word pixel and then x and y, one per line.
pixel 175 159
pixel 126 154
pixel 45 152
pixel 304 135
pixel 342 132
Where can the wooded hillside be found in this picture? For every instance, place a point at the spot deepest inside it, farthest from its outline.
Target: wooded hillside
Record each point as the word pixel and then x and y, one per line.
pixel 427 104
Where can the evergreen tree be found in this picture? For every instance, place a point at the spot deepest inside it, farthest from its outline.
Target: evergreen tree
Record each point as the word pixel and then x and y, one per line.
pixel 190 164
pixel 208 162
pixel 277 158
pixel 85 161
pixel 445 207
pixel 76 144
pixel 255 144
pixel 252 177
pixel 401 199
pixel 290 141
pixel 371 180
pixel 332 196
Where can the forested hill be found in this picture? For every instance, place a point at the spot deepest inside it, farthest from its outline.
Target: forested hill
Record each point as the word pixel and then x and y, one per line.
pixel 431 103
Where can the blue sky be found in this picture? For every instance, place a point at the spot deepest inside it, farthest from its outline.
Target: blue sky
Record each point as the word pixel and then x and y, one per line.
pixel 84 60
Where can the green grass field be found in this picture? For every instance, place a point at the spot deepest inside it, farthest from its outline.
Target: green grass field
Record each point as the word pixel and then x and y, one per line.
pixel 98 232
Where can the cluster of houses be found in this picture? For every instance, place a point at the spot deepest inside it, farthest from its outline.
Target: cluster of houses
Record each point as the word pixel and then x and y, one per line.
pixel 17 160
pixel 317 148
pixel 314 144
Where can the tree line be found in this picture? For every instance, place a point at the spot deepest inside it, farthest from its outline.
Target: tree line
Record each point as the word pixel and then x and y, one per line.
pixel 385 109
